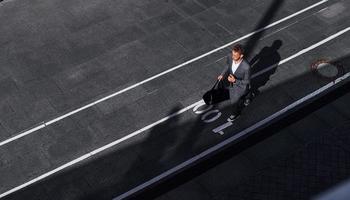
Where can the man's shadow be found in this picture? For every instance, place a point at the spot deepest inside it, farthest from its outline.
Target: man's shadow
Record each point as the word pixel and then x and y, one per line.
pixel 264 64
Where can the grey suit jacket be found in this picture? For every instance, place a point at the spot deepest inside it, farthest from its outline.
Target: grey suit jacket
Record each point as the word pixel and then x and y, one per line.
pixel 242 75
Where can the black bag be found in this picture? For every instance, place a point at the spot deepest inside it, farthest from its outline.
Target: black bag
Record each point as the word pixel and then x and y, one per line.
pixel 217 94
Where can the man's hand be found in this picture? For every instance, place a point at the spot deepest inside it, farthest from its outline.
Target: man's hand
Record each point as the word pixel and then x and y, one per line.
pixel 231 78
pixel 220 77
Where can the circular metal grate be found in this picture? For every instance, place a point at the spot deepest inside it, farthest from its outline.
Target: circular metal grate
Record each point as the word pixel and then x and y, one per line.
pixel 327 69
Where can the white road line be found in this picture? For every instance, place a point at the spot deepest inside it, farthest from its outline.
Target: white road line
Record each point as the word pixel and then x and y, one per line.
pixel 20 135
pixel 261 124
pixel 302 52
pixel 291 24
pixel 112 144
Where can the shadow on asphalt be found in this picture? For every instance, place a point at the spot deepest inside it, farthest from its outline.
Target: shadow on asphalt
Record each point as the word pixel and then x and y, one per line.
pixel 268 17
pixel 267 57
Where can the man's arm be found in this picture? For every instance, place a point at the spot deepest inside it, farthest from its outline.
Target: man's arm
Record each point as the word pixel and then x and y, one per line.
pixel 246 78
pixel 225 69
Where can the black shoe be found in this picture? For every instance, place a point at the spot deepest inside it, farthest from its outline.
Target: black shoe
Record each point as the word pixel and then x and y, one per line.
pixel 233 118
pixel 246 102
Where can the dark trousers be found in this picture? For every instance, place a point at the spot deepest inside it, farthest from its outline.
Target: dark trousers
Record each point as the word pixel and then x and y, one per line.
pixel 237 107
pixel 236 100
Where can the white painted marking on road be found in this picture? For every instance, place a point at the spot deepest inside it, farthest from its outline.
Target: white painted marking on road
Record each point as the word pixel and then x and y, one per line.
pixel 22 134
pixel 220 128
pixel 112 144
pixel 302 52
pixel 288 25
pixel 158 75
pixel 195 109
pixel 88 155
pixel 204 117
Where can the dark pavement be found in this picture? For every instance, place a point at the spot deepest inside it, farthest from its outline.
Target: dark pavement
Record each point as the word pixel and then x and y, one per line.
pixel 304 159
pixel 59 56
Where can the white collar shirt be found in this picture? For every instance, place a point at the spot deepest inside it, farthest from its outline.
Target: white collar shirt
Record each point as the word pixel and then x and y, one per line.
pixel 235 65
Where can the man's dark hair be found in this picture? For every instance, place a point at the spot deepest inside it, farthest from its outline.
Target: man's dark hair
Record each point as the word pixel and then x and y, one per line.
pixel 238 48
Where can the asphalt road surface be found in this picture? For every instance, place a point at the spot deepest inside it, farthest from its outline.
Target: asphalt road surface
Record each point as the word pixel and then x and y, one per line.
pixel 100 97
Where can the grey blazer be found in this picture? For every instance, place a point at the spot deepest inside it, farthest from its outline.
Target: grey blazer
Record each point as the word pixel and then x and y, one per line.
pixel 242 75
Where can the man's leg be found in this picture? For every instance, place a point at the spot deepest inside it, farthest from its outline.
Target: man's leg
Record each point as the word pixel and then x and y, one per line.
pixel 236 104
pixel 237 108
pixel 235 111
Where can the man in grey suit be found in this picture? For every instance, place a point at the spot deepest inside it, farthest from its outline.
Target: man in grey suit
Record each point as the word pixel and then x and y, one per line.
pixel 237 72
